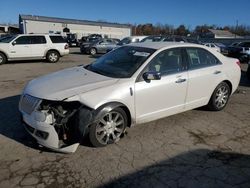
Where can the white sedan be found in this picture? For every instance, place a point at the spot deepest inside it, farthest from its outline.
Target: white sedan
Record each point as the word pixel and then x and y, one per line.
pixel 131 85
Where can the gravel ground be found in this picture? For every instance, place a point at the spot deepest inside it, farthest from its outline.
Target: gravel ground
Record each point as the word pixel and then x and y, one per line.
pixel 197 148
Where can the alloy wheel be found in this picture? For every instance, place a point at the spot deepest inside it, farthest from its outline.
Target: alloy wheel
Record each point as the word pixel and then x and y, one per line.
pixel 221 97
pixel 110 127
pixel 53 57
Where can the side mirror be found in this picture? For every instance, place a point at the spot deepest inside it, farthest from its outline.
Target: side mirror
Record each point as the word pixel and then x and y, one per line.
pixel 152 76
pixel 14 43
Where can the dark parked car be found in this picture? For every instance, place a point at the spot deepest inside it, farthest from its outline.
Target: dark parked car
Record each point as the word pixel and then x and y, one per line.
pixel 248 70
pixel 72 39
pixel 98 47
pixel 239 50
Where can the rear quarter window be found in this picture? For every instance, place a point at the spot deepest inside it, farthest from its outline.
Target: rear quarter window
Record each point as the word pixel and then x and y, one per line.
pixel 57 39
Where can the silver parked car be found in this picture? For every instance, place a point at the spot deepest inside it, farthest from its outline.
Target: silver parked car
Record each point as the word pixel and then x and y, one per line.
pixel 99 47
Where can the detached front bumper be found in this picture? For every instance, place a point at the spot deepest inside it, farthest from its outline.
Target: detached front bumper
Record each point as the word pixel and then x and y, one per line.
pixel 45 134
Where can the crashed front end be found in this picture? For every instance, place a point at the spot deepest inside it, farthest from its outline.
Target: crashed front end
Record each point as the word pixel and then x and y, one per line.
pixel 55 124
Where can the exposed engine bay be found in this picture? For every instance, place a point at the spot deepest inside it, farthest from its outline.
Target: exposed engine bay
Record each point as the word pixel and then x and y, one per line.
pixel 70 119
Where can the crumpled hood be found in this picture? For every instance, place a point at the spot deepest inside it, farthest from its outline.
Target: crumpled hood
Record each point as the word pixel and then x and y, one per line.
pixel 67 83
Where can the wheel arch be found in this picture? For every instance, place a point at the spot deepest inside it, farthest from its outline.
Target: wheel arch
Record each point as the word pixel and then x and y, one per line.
pixel 5 54
pixel 107 107
pixel 229 84
pixel 51 50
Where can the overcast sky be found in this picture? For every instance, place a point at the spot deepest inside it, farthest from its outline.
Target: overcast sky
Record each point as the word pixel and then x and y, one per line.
pixel 174 12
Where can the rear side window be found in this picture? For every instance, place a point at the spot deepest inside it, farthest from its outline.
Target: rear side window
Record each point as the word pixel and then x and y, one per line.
pixel 57 39
pixel 245 44
pixel 38 40
pixel 199 58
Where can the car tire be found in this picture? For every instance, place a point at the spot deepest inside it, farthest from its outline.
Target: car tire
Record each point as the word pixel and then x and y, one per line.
pixel 248 72
pixel 52 56
pixel 220 97
pixel 3 58
pixel 93 51
pixel 107 131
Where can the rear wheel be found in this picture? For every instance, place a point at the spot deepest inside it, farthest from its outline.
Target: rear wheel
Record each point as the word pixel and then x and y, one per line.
pixel 220 97
pixel 3 58
pixel 52 56
pixel 109 128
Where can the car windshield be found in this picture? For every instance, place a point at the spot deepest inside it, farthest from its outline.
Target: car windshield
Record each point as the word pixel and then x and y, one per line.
pixel 219 44
pixel 7 39
pixel 152 39
pixel 122 62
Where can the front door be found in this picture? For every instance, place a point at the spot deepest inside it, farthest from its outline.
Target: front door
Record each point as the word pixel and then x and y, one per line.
pixel 20 48
pixel 159 98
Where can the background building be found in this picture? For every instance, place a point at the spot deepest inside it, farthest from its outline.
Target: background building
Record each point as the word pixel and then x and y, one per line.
pixel 8 29
pixel 42 24
pixel 219 34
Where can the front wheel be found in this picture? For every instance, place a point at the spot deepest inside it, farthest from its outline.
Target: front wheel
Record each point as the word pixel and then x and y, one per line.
pixel 2 59
pixel 220 97
pixel 52 56
pixel 109 128
pixel 93 51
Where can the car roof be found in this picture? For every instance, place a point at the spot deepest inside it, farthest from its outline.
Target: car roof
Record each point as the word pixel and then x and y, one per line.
pixel 159 45
pixel 35 34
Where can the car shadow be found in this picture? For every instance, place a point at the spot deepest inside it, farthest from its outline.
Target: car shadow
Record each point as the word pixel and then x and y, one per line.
pixel 197 168
pixel 77 53
pixel 27 61
pixel 11 126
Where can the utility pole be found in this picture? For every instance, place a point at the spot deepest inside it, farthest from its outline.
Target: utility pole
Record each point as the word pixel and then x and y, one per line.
pixel 236 28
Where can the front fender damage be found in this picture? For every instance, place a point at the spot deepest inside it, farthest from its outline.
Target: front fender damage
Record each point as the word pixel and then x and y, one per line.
pixel 71 121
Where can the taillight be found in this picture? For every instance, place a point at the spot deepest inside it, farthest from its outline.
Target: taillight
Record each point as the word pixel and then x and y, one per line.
pixel 238 63
pixel 66 46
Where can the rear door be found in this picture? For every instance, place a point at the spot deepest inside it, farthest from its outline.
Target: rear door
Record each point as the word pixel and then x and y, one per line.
pixel 38 45
pixel 204 74
pixel 20 47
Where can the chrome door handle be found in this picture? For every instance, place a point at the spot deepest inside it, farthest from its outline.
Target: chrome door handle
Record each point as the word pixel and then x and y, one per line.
pixel 217 72
pixel 180 80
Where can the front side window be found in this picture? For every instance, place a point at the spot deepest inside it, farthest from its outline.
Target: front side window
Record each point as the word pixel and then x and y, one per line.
pixel 167 62
pixel 122 62
pixel 23 40
pixel 7 39
pixel 199 58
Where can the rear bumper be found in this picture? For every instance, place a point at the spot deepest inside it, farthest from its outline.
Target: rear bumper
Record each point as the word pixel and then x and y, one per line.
pixel 65 52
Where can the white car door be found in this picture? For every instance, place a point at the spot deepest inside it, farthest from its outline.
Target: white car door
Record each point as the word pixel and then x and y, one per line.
pixel 20 48
pixel 204 74
pixel 38 45
pixel 155 99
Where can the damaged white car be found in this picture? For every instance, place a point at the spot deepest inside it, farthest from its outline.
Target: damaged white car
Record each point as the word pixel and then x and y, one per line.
pixel 133 84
